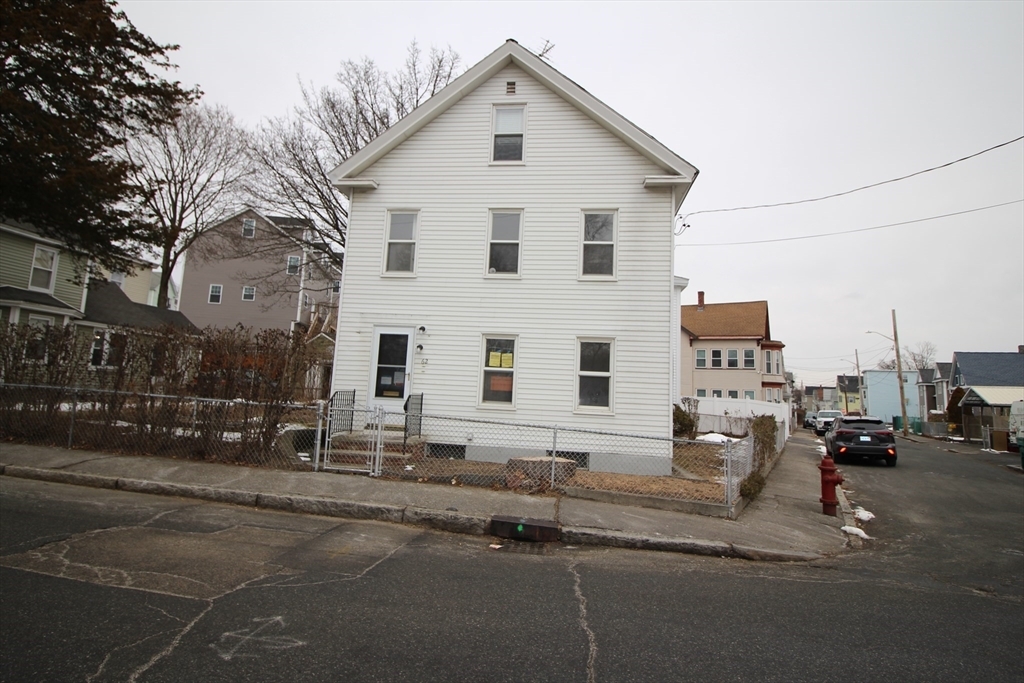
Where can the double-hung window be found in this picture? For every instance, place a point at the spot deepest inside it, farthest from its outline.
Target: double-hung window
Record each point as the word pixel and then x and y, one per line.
pixel 293 265
pixel 748 360
pixel 400 256
pixel 248 293
pixel 594 384
pixel 107 349
pixel 249 227
pixel 733 359
pixel 778 362
pixel 509 133
pixel 598 258
pixel 716 358
pixel 768 362
pixel 44 267
pixel 702 358
pixel 499 370
pixel 216 291
pixel 35 349
pixel 504 242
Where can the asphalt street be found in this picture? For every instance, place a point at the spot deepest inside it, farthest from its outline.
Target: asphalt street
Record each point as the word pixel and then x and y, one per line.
pixel 103 585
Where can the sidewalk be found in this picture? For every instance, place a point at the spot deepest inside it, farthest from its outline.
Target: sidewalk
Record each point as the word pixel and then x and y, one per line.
pixel 784 523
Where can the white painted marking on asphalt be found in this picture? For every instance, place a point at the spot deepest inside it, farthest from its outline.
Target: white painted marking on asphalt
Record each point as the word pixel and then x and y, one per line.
pixel 246 637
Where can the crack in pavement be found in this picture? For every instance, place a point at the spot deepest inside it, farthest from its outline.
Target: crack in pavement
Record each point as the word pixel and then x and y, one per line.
pixel 591 639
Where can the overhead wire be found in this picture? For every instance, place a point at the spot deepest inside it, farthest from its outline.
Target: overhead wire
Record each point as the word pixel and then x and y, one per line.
pixel 850 232
pixel 684 225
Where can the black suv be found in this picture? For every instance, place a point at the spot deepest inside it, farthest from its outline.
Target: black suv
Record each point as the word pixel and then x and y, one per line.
pixel 861 437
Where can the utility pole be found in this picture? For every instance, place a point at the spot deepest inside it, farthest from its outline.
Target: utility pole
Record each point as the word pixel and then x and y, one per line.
pixel 899 373
pixel 860 385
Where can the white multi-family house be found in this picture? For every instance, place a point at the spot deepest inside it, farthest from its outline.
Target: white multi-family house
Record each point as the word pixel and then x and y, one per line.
pixel 510 257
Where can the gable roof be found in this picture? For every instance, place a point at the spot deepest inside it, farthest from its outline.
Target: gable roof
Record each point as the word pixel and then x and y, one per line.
pixel 990 368
pixel 926 376
pixel 942 370
pixel 992 396
pixel 108 305
pixel 848 384
pixel 678 171
pixel 739 320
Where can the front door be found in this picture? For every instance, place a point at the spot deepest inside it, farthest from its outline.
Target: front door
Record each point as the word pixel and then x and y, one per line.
pixel 391 373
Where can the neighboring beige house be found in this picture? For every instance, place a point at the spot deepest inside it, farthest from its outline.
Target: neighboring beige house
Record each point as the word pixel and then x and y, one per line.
pixel 143 284
pixel 848 390
pixel 253 270
pixel 726 351
pixel 510 257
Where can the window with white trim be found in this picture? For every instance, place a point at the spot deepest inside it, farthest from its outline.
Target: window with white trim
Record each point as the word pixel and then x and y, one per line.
pixel 768 394
pixel 293 265
pixel 716 393
pixel 734 393
pixel 216 291
pixel 249 227
pixel 733 358
pixel 778 395
pixel 594 375
pixel 778 362
pixel 716 358
pixel 768 362
pixel 44 268
pixel 702 393
pixel 702 358
pixel 748 394
pixel 400 254
pixel 117 279
pixel 598 258
pixel 504 245
pixel 248 293
pixel 748 360
pixel 499 370
pixel 508 133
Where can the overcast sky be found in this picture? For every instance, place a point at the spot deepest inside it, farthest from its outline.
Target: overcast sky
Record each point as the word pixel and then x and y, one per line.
pixel 773 102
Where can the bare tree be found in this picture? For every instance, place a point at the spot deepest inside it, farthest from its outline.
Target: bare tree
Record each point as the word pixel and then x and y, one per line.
pixel 921 357
pixel 887 364
pixel 191 175
pixel 293 155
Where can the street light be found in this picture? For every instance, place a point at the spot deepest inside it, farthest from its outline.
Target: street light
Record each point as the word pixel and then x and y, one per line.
pixel 895 339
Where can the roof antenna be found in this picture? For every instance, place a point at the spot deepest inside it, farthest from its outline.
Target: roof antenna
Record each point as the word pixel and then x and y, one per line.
pixel 548 47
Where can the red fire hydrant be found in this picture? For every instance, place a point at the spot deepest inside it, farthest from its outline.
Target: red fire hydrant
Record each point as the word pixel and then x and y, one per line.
pixel 830 479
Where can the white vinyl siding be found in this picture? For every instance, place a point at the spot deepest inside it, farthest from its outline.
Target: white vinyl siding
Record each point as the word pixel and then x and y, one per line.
pixel 573 163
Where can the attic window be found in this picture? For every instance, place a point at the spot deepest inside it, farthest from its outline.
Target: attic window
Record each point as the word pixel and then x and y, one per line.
pixel 509 132
pixel 510 88
pixel 248 227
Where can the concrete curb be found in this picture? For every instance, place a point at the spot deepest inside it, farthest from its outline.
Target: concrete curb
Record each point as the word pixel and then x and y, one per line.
pixel 441 520
pixel 60 476
pixel 848 518
pixel 691 546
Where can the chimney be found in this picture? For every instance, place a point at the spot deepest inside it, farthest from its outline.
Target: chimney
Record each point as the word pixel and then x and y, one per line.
pixel 700 305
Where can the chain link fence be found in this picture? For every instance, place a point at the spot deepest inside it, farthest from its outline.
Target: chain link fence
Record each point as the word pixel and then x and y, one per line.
pixel 531 458
pixel 215 430
pixel 340 435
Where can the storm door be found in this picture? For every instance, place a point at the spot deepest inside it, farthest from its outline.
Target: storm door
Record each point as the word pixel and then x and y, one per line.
pixel 390 375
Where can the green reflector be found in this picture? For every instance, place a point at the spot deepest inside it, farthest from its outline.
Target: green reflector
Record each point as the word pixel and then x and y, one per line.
pixel 520 528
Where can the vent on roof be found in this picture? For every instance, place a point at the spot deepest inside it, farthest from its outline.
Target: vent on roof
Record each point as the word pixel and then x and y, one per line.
pixel 510 88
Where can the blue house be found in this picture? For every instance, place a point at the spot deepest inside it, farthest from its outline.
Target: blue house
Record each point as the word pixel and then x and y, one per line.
pixel 882 394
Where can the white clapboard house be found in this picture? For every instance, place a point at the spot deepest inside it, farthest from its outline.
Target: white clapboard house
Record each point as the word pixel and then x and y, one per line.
pixel 510 257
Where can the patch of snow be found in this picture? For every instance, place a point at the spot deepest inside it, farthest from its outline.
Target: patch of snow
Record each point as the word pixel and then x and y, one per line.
pixel 821 449
pixel 854 531
pixel 863 515
pixel 716 438
pixel 818 441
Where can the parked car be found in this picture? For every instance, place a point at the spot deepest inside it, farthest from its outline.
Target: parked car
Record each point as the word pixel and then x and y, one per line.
pixel 860 437
pixel 809 420
pixel 824 420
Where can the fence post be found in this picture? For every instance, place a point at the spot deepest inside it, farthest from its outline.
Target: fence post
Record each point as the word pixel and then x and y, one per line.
pixel 554 453
pixel 195 409
pixel 316 445
pixel 74 408
pixel 728 476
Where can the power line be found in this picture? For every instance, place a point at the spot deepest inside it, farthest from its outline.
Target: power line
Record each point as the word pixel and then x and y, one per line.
pixel 846 192
pixel 849 232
